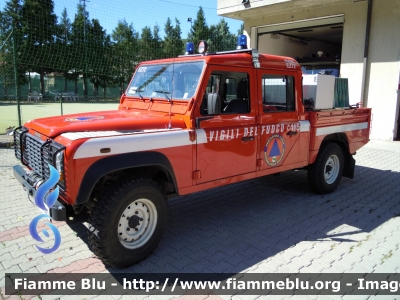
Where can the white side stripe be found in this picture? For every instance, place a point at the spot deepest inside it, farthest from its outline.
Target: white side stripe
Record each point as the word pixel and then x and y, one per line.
pixel 134 143
pixel 304 126
pixel 72 136
pixel 201 136
pixel 341 128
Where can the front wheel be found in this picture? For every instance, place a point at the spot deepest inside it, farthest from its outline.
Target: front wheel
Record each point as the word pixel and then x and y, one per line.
pixel 325 173
pixel 127 222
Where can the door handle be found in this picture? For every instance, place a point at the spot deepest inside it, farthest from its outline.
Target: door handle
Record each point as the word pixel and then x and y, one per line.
pixel 290 133
pixel 247 138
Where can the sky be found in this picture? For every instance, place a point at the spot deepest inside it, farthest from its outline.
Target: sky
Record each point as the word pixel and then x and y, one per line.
pixel 143 13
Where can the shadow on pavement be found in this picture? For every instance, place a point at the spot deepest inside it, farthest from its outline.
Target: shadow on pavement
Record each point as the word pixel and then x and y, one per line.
pixel 232 228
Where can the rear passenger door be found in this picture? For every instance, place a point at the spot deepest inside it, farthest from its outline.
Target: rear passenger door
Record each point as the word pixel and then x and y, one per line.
pixel 279 126
pixel 226 124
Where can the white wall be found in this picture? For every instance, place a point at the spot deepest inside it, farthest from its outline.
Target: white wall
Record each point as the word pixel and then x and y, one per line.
pixel 353 45
pixel 384 54
pixel 384 67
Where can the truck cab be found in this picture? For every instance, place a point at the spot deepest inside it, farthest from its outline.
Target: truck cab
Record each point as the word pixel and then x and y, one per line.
pixel 185 124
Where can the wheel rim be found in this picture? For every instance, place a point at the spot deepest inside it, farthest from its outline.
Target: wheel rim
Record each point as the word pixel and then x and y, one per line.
pixel 331 169
pixel 137 223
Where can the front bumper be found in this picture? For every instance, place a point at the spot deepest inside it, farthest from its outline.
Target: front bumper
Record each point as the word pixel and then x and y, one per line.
pixel 57 211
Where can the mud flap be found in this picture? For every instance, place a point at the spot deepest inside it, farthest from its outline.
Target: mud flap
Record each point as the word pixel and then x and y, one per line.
pixel 349 166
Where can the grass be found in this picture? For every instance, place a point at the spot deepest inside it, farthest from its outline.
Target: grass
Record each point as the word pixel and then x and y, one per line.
pixel 386 256
pixel 360 243
pixel 30 111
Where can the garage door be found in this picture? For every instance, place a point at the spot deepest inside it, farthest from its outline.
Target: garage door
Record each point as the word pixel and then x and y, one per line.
pixel 315 43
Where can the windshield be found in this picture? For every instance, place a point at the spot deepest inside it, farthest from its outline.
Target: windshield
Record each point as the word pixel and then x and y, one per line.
pixel 169 81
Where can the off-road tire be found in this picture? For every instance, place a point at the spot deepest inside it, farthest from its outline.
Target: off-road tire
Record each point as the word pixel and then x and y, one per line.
pixel 325 173
pixel 124 207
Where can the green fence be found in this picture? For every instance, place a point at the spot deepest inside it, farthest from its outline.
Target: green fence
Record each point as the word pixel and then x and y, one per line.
pixel 52 64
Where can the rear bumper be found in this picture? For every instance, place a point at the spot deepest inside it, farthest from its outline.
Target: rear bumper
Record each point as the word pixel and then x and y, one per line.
pixel 57 211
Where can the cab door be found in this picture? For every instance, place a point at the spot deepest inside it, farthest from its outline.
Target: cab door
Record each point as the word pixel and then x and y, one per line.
pixel 279 126
pixel 226 125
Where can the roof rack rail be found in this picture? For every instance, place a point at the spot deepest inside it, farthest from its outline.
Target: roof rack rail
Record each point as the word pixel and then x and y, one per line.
pixel 186 55
pixel 234 51
pixel 253 52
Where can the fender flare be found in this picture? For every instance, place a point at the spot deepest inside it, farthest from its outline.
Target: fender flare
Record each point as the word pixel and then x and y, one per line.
pixel 117 163
pixel 337 137
pixel 349 162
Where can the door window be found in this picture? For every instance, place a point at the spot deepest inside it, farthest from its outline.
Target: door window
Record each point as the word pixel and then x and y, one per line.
pixel 226 93
pixel 277 93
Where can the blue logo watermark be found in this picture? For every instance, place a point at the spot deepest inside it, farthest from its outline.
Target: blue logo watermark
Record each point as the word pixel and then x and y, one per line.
pixel 44 199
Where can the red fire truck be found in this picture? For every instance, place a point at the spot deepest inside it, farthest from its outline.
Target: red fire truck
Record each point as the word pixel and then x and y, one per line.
pixel 186 124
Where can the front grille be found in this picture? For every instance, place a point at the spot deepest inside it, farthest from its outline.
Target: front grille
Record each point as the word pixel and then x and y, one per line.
pixel 38 155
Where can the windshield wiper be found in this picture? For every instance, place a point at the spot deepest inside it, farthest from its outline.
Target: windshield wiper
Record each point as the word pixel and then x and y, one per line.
pixel 165 93
pixel 139 91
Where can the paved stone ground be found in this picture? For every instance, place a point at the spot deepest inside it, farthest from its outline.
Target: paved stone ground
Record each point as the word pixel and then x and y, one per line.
pixel 273 224
pixel 6 141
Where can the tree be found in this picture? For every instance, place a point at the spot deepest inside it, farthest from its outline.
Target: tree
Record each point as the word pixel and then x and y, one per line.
pixel 80 28
pixel 10 18
pixel 98 44
pixel 150 44
pixel 65 27
pixel 12 12
pixel 173 44
pixel 64 46
pixel 157 43
pixel 241 29
pixel 220 37
pixel 6 59
pixel 199 30
pixel 124 53
pixel 39 28
pixel 105 75
pixel 146 39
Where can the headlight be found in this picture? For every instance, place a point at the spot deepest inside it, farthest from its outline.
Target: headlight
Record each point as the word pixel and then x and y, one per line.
pixel 59 164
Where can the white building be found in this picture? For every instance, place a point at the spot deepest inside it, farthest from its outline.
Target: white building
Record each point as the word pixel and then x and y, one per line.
pixel 359 39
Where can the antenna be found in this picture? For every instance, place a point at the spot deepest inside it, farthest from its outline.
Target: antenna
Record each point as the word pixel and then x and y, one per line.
pixel 170 116
pixel 172 92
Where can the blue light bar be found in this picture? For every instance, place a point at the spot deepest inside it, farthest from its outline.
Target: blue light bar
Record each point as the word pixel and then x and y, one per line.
pixel 189 48
pixel 241 42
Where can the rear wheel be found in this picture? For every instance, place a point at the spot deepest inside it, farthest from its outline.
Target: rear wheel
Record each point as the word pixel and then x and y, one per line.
pixel 127 222
pixel 325 173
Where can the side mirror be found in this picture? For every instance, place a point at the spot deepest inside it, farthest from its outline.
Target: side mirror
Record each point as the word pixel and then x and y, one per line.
pixel 213 104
